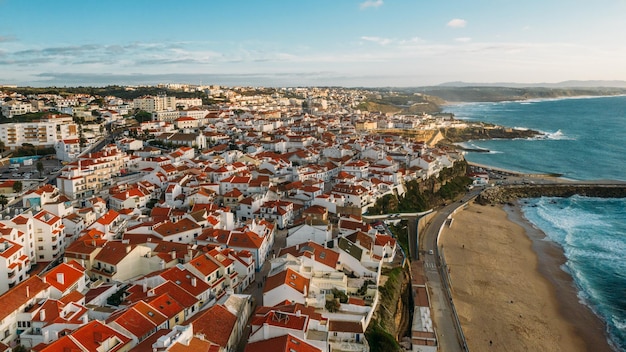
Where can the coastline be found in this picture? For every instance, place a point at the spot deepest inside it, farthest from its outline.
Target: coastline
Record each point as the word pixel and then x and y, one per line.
pixel 508 286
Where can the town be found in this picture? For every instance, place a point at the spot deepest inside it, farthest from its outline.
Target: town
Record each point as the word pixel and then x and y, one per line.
pixel 165 224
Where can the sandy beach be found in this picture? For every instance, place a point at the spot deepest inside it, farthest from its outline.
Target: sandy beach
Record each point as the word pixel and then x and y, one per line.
pixel 508 288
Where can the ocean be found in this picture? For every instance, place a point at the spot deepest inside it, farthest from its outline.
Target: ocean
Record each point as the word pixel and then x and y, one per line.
pixel 585 139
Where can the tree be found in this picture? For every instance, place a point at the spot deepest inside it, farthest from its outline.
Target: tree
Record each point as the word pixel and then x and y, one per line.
pixel 143 116
pixel 2 146
pixel 3 200
pixel 17 186
pixel 40 168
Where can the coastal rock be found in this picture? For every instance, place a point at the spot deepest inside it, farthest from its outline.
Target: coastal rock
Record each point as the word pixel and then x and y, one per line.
pixel 509 194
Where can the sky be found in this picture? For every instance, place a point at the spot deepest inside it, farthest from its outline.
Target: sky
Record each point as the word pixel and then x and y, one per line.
pixel 350 43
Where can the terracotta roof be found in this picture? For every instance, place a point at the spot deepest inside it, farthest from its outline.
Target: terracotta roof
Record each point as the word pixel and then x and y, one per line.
pixel 165 304
pixel 216 323
pixel 309 249
pixel 19 295
pixel 108 218
pixel 94 333
pixel 280 319
pixel 114 252
pixel 284 343
pixel 288 277
pixel 181 296
pixel 204 265
pixel 68 275
pixel 134 321
pixel 185 280
pixel 345 326
pixel 169 228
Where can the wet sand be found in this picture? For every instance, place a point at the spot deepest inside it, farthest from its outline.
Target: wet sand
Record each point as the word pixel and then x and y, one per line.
pixel 509 289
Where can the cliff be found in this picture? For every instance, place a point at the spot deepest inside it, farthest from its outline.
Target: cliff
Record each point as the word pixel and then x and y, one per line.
pixel 478 132
pixel 392 319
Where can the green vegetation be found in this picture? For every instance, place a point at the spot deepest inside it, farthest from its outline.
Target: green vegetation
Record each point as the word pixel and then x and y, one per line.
pixel 379 339
pixel 400 233
pixel 143 116
pixel 378 332
pixel 17 186
pixel 454 187
pixel 3 201
pixel 484 94
pixel 40 167
pixel 401 102
pixel 343 297
pixel 421 196
pixel 117 298
pixel 30 117
pixel 28 149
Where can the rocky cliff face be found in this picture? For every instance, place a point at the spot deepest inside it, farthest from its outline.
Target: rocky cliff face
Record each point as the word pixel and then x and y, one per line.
pixel 503 195
pixel 456 135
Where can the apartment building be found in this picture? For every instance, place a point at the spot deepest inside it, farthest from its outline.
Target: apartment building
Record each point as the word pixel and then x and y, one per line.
pixel 14 263
pixel 67 149
pixel 36 133
pixel 16 107
pixel 152 104
pixel 92 172
pixel 49 236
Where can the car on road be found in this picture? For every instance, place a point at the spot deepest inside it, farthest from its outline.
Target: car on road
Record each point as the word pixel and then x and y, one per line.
pixel 15 174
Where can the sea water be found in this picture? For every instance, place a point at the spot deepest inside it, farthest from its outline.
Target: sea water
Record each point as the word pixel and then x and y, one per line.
pixel 584 139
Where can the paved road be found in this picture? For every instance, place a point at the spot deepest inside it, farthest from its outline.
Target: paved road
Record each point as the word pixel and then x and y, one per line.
pixel 441 302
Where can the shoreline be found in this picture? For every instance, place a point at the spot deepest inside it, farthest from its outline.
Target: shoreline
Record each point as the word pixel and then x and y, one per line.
pixel 499 263
pixel 551 258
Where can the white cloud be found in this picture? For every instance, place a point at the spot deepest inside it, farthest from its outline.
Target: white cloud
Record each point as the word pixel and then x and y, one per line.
pixel 457 23
pixel 463 39
pixel 371 3
pixel 379 40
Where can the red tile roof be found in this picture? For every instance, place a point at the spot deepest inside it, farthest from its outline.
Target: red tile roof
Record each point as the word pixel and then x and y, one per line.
pixel 285 343
pixel 287 277
pixel 68 274
pixel 216 323
pixel 19 295
pixel 311 249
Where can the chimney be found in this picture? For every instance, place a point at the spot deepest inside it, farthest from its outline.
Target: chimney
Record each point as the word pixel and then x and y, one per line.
pixel 127 194
pixel 173 253
pixel 298 313
pixel 193 281
pixel 145 285
pixel 61 278
pixel 42 315
pixel 27 291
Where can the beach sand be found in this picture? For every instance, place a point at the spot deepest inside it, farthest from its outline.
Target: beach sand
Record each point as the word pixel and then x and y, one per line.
pixel 508 288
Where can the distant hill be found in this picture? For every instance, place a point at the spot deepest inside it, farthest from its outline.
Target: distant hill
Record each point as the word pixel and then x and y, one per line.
pixel 500 93
pixel 405 102
pixel 564 84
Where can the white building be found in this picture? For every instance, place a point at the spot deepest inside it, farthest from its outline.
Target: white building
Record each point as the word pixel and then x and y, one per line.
pixel 36 133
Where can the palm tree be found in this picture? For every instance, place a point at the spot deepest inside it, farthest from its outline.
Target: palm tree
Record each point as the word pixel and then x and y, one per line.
pixel 40 168
pixel 17 186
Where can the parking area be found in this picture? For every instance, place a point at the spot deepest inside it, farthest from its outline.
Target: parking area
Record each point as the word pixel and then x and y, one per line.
pixel 25 172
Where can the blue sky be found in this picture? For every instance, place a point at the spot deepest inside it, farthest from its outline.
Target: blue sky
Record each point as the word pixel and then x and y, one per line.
pixel 305 42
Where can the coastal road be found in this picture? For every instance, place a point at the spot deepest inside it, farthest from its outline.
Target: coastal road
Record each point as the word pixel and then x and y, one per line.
pixel 448 334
